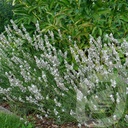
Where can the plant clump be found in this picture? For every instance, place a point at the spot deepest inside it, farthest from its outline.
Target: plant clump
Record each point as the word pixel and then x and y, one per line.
pixel 35 74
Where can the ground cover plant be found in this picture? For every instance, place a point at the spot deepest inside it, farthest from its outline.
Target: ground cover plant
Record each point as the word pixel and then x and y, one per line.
pixel 68 85
pixel 11 121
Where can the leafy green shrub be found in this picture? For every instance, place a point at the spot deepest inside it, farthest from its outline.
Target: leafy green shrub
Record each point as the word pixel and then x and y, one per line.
pixel 44 79
pixel 77 18
pixel 5 14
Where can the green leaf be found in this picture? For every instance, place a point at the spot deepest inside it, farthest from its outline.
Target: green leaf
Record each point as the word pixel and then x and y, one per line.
pixel 124 18
pixel 31 9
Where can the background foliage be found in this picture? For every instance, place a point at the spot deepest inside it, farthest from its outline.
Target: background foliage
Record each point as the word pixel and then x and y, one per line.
pixel 5 13
pixel 77 18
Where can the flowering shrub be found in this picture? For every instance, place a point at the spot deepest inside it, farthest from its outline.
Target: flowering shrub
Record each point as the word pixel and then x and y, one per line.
pixel 36 74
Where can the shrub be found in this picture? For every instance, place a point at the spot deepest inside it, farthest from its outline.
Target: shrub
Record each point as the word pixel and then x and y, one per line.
pixel 44 79
pixel 77 18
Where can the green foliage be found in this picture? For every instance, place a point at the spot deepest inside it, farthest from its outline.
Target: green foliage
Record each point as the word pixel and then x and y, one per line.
pixel 5 13
pixel 11 121
pixel 77 18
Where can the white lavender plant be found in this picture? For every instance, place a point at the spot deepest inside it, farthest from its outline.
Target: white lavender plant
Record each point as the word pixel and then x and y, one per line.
pixel 40 75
